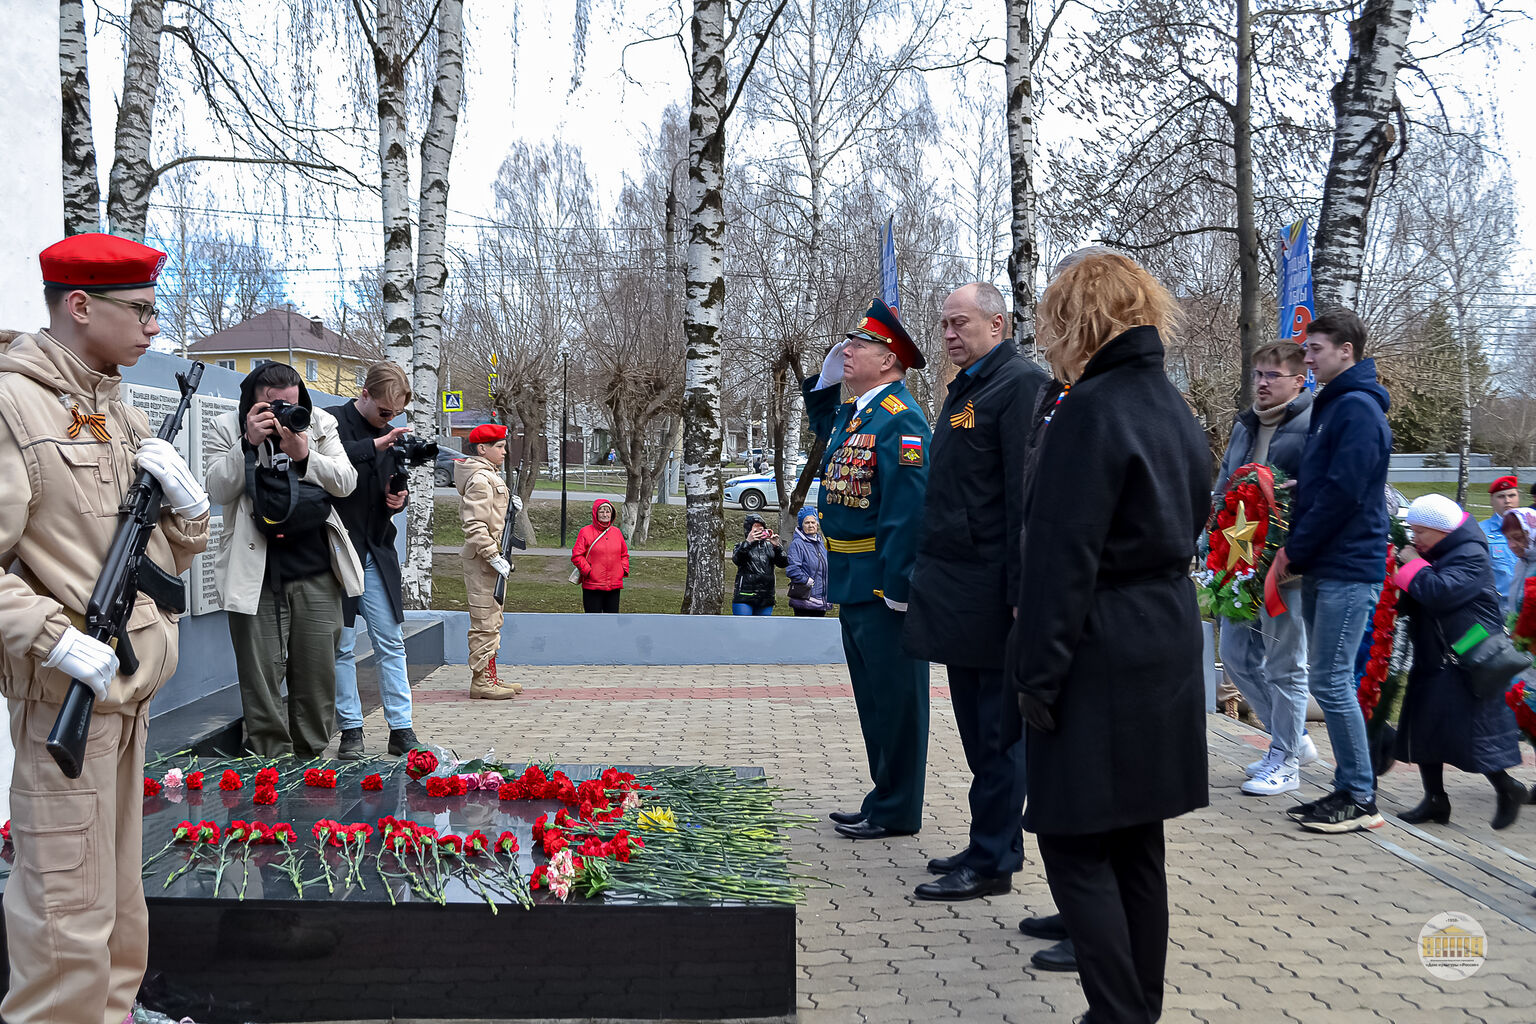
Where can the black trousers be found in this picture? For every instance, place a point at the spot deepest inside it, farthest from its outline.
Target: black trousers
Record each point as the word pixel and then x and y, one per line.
pixel 1112 892
pixel 992 734
pixel 600 600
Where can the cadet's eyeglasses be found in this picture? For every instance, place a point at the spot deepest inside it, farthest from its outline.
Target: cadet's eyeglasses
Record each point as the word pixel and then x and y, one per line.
pixel 1272 375
pixel 146 311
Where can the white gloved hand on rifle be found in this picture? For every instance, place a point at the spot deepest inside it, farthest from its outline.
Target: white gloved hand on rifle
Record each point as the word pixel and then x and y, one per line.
pixel 85 658
pixel 517 503
pixel 501 565
pixel 832 367
pixel 182 491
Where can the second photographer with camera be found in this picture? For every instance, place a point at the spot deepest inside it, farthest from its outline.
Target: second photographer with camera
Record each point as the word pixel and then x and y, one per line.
pixel 381 455
pixel 284 559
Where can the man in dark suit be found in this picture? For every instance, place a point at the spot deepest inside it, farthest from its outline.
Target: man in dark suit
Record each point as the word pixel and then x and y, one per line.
pixel 967 576
pixel 872 483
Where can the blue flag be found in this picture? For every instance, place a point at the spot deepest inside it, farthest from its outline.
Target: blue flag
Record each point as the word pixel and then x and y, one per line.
pixel 888 268
pixel 1295 282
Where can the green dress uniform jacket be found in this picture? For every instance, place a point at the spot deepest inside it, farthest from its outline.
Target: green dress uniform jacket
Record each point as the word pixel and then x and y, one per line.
pixel 873 480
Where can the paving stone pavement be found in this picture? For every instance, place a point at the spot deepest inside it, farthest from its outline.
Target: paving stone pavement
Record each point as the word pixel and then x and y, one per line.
pixel 1269 923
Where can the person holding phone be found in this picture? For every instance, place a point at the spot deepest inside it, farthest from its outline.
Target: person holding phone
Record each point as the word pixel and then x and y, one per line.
pixel 755 558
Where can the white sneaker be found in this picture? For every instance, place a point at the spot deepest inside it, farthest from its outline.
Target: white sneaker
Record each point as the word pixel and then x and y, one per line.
pixel 1285 777
pixel 1264 765
pixel 1308 752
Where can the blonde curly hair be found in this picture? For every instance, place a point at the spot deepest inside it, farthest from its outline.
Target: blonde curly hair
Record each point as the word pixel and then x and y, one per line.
pixel 1093 300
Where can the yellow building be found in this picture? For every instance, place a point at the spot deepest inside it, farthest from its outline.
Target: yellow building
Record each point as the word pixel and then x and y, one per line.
pixel 325 360
pixel 1452 941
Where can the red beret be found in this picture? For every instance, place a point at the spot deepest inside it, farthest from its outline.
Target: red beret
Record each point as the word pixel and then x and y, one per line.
pixel 1503 483
pixel 487 433
pixel 101 262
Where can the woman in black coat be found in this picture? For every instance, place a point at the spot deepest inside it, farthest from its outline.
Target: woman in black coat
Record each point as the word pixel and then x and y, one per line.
pixel 1105 653
pixel 1446 592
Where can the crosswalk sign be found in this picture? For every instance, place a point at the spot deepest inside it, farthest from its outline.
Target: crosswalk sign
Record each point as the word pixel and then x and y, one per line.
pixel 453 401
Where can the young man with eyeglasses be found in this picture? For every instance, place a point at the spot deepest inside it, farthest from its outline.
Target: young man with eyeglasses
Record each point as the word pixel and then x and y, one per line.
pixel 75 921
pixel 1267 656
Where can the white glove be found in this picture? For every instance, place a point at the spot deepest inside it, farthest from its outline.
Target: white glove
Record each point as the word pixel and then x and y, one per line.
pixel 501 565
pixel 832 366
pixel 86 659
pixel 517 503
pixel 182 491
pixel 895 606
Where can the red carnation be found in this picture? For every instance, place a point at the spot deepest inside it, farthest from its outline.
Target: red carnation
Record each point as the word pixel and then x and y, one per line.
pixel 320 778
pixel 266 795
pixel 451 843
pixel 195 780
pixel 5 831
pixel 230 780
pixel 283 832
pixel 438 786
pixel 266 777
pixel 373 782
pixel 151 787
pixel 506 843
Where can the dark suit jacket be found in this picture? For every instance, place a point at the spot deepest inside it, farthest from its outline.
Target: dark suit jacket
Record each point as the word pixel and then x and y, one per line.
pixel 967 573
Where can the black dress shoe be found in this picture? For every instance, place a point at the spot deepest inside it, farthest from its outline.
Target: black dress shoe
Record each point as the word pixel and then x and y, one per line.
pixel 1060 957
pixel 964 883
pixel 1050 928
pixel 869 830
pixel 847 817
pixel 944 865
pixel 1435 807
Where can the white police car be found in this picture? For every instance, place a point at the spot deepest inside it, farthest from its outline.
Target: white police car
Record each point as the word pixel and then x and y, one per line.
pixel 756 491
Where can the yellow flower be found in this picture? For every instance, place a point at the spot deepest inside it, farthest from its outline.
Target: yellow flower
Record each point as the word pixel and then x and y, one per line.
pixel 659 817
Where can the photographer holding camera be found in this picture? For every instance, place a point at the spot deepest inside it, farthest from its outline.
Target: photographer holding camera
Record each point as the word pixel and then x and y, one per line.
pixel 381 456
pixel 284 558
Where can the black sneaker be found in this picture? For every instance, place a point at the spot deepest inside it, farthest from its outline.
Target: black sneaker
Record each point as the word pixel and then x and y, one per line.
pixel 351 745
pixel 403 741
pixel 1301 810
pixel 1338 812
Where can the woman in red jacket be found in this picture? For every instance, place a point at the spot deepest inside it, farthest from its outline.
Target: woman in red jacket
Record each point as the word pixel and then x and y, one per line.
pixel 602 558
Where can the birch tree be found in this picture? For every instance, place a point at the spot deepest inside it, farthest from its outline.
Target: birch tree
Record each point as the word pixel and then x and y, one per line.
pixel 431 278
pixel 201 48
pixel 710 108
pixel 1364 99
pixel 1024 255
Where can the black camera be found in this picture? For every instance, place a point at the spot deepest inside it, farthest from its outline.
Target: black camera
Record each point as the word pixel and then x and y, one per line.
pixel 413 451
pixel 293 418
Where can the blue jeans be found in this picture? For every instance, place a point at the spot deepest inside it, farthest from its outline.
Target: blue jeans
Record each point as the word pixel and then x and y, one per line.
pixel 746 609
pixel 1337 614
pixel 1267 660
pixel 389 648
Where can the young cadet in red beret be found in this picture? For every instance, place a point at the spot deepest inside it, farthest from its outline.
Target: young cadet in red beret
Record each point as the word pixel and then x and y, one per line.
pixel 76 926
pixel 483 499
pixel 1503 495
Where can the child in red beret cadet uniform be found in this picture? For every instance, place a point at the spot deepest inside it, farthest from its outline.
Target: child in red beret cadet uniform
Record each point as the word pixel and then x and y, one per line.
pixel 1503 495
pixel 76 926
pixel 483 499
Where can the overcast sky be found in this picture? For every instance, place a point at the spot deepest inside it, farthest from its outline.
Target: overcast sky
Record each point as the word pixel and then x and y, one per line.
pixel 524 92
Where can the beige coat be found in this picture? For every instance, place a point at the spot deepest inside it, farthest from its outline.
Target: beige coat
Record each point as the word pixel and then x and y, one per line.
pixel 59 514
pixel 483 498
pixel 241 564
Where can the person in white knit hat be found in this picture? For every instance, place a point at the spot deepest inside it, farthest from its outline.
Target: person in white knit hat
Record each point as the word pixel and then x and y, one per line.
pixel 1448 590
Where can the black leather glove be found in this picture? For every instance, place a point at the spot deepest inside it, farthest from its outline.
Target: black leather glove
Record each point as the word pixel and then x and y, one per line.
pixel 1037 713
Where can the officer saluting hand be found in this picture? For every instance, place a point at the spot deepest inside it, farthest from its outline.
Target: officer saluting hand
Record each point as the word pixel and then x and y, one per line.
pixel 873 480
pixel 77 931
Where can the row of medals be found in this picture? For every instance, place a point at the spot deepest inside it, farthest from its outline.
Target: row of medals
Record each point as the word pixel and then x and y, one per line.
pixel 850 477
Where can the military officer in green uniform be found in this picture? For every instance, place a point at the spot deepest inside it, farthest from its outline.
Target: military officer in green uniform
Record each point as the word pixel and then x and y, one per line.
pixel 873 479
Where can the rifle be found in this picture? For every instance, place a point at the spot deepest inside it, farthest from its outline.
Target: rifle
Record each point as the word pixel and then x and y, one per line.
pixel 126 573
pixel 509 540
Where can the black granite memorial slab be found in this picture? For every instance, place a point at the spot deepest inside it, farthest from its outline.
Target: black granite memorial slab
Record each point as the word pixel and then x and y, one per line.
pixel 378 950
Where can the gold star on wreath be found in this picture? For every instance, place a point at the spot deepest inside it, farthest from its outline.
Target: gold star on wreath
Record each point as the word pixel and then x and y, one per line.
pixel 1240 538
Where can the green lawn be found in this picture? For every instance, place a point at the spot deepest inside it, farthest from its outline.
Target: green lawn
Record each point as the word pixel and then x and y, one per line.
pixel 1477 495
pixel 539 585
pixel 668 526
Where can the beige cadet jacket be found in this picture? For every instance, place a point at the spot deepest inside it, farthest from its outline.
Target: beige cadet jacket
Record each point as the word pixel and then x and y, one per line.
pixel 483 498
pixel 241 564
pixel 57 517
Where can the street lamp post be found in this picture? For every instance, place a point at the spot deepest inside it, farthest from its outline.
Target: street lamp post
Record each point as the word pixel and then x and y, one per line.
pixel 565 412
